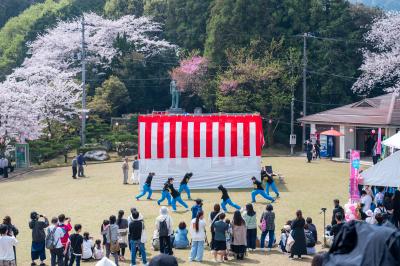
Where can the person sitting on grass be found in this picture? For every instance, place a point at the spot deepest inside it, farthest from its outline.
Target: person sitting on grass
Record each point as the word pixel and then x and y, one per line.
pixel 147 187
pixel 258 190
pixel 226 199
pixel 98 252
pixel 7 244
pixel 197 207
pixel 285 232
pixel 184 184
pixel 87 247
pixel 312 228
pixel 220 228
pixel 165 194
pixel 310 241
pixel 181 240
pixel 76 246
pixel 176 196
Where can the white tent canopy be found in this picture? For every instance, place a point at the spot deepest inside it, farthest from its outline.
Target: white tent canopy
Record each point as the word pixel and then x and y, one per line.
pixel 385 173
pixel 393 141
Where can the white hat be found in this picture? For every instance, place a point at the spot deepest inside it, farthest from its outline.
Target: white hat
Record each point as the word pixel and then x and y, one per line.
pixel 369 213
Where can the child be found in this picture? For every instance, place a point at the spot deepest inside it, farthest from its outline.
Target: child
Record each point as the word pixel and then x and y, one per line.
pixel 226 199
pixel 165 194
pixel 284 237
pixel 98 252
pixel 147 187
pixel 87 251
pixel 176 196
pixel 197 207
pixel 76 246
pixel 184 184
pixel 104 226
pixel 228 238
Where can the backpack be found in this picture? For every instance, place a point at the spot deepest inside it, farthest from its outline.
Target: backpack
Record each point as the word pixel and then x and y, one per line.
pixel 163 228
pixel 50 243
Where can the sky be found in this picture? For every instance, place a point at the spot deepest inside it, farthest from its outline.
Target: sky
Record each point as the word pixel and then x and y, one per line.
pixel 385 4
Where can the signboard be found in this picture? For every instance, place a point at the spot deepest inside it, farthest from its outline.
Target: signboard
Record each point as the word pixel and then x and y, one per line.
pixel 292 140
pixel 22 155
pixel 354 167
pixel 323 140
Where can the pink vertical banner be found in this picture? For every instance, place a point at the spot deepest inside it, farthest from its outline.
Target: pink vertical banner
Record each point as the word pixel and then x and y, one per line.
pixel 354 166
pixel 379 145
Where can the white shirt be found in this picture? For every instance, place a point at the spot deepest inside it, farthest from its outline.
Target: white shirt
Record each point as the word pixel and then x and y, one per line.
pixel 366 200
pixel 6 247
pixel 87 249
pixel 1 163
pixel 200 235
pixel 98 253
pixel 58 234
pixel 168 219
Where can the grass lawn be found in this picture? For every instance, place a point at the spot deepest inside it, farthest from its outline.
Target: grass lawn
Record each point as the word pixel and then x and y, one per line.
pixel 90 200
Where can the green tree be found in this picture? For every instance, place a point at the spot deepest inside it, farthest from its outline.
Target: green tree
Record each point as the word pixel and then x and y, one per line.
pixel 111 99
pixel 12 8
pixel 156 9
pixel 119 8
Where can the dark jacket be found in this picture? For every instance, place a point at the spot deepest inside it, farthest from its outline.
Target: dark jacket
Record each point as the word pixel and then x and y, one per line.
pixel 336 210
pixel 11 229
pixel 299 246
pixel 38 234
pixel 135 230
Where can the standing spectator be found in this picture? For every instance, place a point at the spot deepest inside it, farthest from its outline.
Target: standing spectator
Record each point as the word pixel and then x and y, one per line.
pixel 135 172
pixel 267 222
pixel 339 223
pixel 74 167
pixel 176 196
pixel 198 232
pixel 11 231
pixel 87 247
pixel 258 190
pixel 250 219
pixel 164 228
pixel 65 239
pixel 136 232
pixel 184 184
pixel 1 165
pixel 337 208
pixel 366 200
pixel 38 237
pixel 54 234
pixel 122 234
pixel 197 207
pixel 76 246
pixel 220 229
pixel 226 199
pixel 312 228
pixel 239 235
pixel 81 162
pixel 214 216
pixel 147 187
pixel 111 233
pixel 317 147
pixel 5 167
pixel 299 247
pixel 309 149
pixel 396 208
pixel 7 245
pixel 125 170
pixel 181 240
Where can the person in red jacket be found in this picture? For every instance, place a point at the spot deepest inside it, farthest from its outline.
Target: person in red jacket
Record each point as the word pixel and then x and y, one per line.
pixel 65 225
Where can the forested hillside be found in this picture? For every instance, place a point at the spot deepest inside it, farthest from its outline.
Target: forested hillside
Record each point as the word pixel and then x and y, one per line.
pixel 250 53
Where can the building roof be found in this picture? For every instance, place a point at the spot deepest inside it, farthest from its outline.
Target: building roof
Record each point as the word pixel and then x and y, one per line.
pixel 381 110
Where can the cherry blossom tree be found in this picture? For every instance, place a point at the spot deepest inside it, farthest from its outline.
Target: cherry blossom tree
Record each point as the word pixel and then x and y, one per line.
pixel 190 73
pixel 45 87
pixel 381 65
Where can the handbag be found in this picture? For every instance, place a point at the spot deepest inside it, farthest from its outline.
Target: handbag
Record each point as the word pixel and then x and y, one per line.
pixel 289 243
pixel 143 237
pixel 114 245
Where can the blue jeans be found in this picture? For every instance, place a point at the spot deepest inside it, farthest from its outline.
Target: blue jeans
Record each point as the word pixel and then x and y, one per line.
pixel 256 192
pixel 274 188
pixel 184 187
pixel 228 201
pixel 178 199
pixel 270 240
pixel 77 258
pixel 196 253
pixel 165 195
pixel 140 245
pixel 146 188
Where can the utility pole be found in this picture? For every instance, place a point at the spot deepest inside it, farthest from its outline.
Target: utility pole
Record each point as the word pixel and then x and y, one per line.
pixel 292 123
pixel 83 113
pixel 305 35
